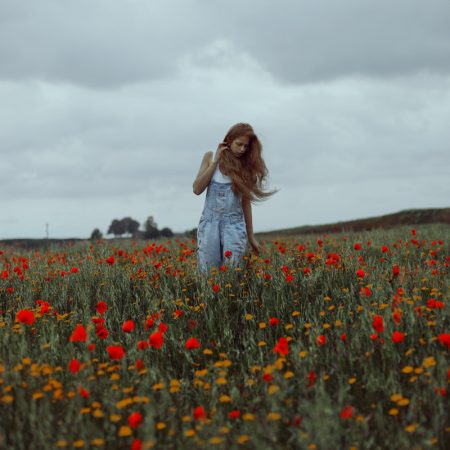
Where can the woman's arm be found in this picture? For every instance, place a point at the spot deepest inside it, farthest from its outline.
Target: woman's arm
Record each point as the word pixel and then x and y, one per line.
pixel 247 208
pixel 205 173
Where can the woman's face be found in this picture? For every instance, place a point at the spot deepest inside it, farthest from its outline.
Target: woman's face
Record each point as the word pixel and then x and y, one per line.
pixel 239 146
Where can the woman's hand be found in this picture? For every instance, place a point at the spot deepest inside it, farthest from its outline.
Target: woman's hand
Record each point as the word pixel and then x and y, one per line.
pixel 220 148
pixel 255 245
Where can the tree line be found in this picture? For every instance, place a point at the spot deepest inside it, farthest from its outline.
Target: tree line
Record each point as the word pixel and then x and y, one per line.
pixel 130 226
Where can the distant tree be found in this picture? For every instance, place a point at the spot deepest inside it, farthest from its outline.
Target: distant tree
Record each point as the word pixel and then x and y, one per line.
pixel 166 232
pixel 96 235
pixel 151 229
pixel 131 225
pixel 117 228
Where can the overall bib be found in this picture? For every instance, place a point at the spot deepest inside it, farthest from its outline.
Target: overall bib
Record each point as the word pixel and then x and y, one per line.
pixel 221 228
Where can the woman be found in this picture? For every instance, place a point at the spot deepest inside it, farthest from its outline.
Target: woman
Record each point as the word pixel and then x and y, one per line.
pixel 233 179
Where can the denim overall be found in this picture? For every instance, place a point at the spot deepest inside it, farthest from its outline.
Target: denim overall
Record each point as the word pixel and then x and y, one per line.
pixel 221 228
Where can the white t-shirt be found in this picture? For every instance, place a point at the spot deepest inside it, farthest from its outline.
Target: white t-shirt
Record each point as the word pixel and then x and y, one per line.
pixel 220 177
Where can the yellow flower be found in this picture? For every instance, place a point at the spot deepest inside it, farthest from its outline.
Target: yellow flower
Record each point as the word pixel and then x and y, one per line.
pixel 37 395
pixel 79 443
pixel 207 351
pixel 429 362
pixel 396 397
pixel 125 431
pixel 261 344
pixel 221 380
pixel 215 440
pixel 351 380
pixel 272 389
pixel 160 426
pixel 243 438
pixel 407 369
pixel 224 398
pixel 115 417
pixel 274 416
pixel 393 411
pixel 61 443
pixel 189 433
pixel 411 427
pixel 248 416
pixel 248 317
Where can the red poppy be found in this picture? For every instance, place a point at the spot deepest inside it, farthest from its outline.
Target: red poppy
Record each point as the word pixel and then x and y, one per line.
pixel 343 337
pixel 135 419
pixel 395 271
pixel 79 334
pixel 216 288
pixel 199 413
pixel 321 340
pixel 346 412
pixel 162 327
pixel 397 337
pixel 136 444
pixel 25 316
pixel 360 273
pixel 444 339
pixel 110 260
pixel 311 377
pixel 281 346
pixel 357 246
pixel 156 339
pixel 74 365
pixel 141 345
pixel 228 253
pixel 115 351
pixel 83 392
pixel 139 364
pixel 101 307
pixel 192 343
pixel 377 323
pixel 274 321
pixel 234 414
pixel 128 326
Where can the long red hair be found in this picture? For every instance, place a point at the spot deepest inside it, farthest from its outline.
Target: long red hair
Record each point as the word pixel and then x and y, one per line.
pixel 249 172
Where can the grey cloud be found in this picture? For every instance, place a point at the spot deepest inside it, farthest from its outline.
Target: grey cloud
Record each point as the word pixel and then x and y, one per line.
pixel 109 44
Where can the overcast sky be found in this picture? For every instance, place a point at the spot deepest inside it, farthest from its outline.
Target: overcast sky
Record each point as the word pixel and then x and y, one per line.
pixel 107 107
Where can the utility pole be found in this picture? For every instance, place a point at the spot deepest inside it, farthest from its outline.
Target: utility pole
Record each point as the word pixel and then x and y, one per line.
pixel 46 231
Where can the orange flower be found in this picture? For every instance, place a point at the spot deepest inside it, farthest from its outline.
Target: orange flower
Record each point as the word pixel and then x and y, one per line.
pixel 25 316
pixel 79 334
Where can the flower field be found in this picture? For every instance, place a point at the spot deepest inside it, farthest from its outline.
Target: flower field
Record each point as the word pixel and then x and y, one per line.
pixel 322 342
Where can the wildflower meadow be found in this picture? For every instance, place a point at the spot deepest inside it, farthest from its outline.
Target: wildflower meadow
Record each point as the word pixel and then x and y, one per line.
pixel 331 341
